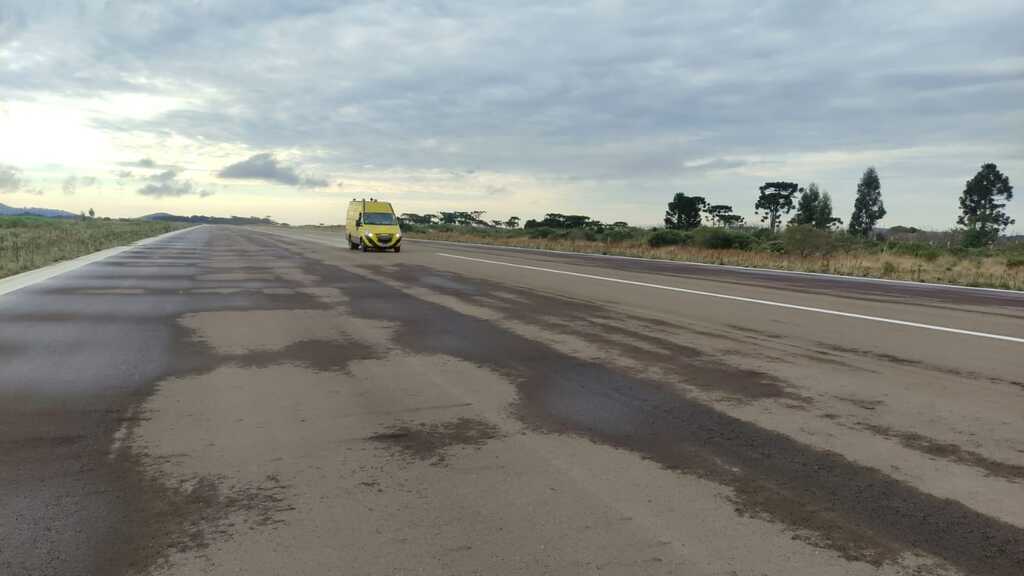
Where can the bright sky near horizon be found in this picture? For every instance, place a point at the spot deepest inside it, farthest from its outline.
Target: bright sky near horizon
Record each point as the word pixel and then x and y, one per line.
pixel 605 108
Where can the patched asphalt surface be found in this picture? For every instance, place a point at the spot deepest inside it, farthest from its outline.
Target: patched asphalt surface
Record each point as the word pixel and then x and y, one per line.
pixel 80 352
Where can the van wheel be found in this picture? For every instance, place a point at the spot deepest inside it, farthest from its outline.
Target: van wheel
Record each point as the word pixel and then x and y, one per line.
pixel 364 247
pixel 398 249
pixel 352 245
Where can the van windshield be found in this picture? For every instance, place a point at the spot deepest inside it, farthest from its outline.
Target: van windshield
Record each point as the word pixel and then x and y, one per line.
pixel 381 218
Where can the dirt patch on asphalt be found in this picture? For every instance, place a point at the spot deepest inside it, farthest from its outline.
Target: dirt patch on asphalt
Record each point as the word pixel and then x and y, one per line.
pixel 434 441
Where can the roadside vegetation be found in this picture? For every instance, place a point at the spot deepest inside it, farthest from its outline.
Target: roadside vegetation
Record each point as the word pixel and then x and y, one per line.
pixel 813 239
pixel 29 242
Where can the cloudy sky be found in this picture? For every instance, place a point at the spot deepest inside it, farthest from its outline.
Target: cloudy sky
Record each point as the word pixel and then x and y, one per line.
pixel 290 108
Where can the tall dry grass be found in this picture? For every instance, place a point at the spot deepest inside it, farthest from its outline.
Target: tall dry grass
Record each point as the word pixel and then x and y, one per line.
pixel 29 242
pixel 988 271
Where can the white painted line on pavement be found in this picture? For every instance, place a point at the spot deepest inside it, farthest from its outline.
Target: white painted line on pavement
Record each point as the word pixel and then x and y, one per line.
pixel 19 281
pixel 748 269
pixel 745 299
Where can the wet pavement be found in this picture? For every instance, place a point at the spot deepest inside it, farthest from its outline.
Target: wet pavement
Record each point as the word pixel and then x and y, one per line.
pixel 231 400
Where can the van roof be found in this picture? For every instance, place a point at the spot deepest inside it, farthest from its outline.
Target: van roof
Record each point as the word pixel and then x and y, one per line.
pixel 374 205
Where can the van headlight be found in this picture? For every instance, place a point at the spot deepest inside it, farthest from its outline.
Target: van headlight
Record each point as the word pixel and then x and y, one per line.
pixel 369 234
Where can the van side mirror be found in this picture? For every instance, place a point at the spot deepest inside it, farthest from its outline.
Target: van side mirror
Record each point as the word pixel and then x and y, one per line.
pixel 359 222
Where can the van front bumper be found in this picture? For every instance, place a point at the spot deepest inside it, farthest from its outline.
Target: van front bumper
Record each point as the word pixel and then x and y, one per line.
pixel 383 240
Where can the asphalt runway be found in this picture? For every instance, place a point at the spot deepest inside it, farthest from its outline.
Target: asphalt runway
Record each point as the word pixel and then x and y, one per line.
pixel 235 400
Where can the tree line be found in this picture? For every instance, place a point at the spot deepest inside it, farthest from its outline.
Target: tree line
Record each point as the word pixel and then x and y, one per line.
pixel 476 218
pixel 982 204
pixel 982 215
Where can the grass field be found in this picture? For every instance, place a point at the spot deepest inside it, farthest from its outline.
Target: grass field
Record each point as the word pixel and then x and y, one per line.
pixel 28 242
pixel 985 268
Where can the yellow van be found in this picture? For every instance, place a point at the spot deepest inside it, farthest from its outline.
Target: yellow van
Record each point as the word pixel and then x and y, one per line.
pixel 372 225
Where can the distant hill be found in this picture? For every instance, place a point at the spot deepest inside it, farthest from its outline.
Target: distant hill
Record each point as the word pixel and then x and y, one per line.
pixel 198 219
pixel 6 210
pixel 160 216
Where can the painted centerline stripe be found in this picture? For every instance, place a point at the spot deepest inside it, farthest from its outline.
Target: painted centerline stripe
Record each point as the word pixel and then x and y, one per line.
pixel 753 270
pixel 745 299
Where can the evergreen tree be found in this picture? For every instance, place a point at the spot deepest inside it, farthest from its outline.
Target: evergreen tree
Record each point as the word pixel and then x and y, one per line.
pixel 684 212
pixel 775 199
pixel 981 211
pixel 868 208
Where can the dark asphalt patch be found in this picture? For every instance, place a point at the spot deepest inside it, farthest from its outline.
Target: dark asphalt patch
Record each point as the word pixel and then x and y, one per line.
pixel 434 441
pixel 68 508
pixel 899 360
pixel 595 323
pixel 949 451
pixel 862 403
pixel 175 515
pixel 853 509
pixel 318 355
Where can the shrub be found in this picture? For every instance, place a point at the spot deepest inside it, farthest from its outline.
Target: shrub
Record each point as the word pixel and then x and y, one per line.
pixel 541 232
pixel 977 238
pixel 806 240
pixel 1015 261
pixel 775 246
pixel 619 234
pixel 720 239
pixel 763 235
pixel 921 250
pixel 668 238
pixel 845 242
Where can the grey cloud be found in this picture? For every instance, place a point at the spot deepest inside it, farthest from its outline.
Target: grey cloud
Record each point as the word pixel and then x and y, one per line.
pixel 124 174
pixel 715 164
pixel 165 176
pixel 173 189
pixel 510 89
pixel 141 163
pixel 627 93
pixel 149 164
pixel 71 184
pixel 167 184
pixel 267 168
pixel 10 178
